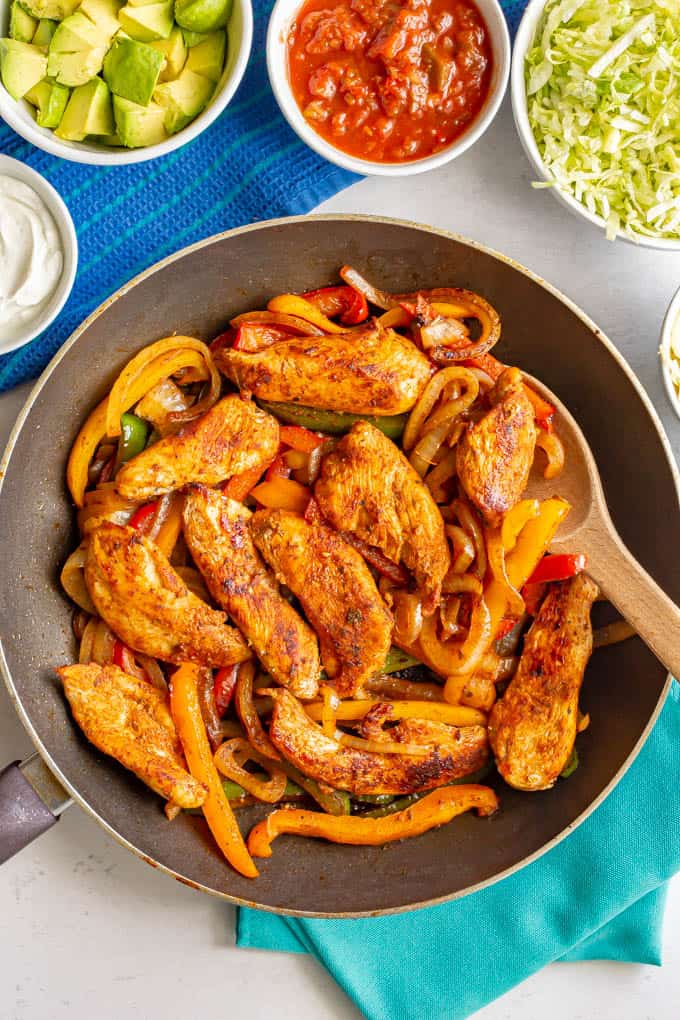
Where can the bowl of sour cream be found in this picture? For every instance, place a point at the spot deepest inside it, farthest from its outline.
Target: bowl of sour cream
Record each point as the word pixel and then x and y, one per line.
pixel 670 352
pixel 38 254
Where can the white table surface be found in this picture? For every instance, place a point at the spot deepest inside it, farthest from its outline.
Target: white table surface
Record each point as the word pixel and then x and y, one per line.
pixel 88 931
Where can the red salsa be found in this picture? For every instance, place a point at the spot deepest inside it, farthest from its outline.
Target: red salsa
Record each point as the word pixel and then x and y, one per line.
pixel 389 80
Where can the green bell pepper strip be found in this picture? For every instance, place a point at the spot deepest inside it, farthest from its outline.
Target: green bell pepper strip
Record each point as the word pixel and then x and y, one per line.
pixel 571 765
pixel 334 423
pixel 334 802
pixel 134 433
pixel 397 660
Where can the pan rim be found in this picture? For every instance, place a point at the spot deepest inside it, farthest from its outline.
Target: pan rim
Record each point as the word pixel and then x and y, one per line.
pixel 205 243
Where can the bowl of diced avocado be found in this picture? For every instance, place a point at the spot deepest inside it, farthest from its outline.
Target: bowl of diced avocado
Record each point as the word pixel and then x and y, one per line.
pixel 107 81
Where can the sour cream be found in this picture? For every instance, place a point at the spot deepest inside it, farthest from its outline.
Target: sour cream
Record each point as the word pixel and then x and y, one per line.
pixel 31 257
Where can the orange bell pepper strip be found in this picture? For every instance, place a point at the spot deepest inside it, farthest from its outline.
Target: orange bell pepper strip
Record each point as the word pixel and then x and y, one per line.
pixel 186 713
pixel 283 494
pixel 242 485
pixel 436 808
pixel 532 543
pixel 300 438
pixel 293 304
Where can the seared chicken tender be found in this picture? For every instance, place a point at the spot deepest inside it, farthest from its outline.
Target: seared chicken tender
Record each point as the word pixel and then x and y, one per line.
pixel 130 720
pixel 336 591
pixel 148 605
pixel 217 532
pixel 532 728
pixel 368 487
pixel 495 455
pixel 368 371
pixel 232 437
pixel 454 752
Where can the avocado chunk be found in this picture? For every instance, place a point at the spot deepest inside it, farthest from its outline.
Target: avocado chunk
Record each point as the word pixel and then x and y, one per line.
pixel 202 15
pixel 147 23
pixel 22 66
pixel 131 70
pixel 183 99
pixel 207 58
pixel 77 50
pixel 175 53
pixel 193 38
pixel 50 99
pixel 89 112
pixel 112 140
pixel 55 10
pixel 21 25
pixel 103 13
pixel 139 125
pixel 44 32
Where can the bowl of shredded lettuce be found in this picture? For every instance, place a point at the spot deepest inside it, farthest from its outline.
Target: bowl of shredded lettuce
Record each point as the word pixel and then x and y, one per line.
pixel 596 99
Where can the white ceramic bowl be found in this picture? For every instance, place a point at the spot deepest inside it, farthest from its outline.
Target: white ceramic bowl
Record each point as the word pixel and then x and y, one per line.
pixel 18 114
pixel 523 41
pixel 69 242
pixel 672 316
pixel 280 21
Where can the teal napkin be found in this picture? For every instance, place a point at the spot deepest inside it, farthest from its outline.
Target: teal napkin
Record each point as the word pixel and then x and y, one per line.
pixel 599 894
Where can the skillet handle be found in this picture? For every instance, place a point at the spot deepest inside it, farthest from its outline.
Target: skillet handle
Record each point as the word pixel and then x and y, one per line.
pixel 31 801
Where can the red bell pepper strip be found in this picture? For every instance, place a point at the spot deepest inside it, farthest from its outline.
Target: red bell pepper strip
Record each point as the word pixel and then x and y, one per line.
pixel 558 568
pixel 141 518
pixel 343 301
pixel 377 559
pixel 123 657
pixel 277 469
pixel 224 687
pixel 299 438
pixel 255 336
pixel 225 339
pixel 533 595
pixel 504 627
pixel 240 486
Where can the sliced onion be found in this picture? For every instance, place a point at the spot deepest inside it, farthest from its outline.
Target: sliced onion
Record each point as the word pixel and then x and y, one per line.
pixel 438 477
pixel 455 584
pixel 103 504
pixel 496 555
pixel 294 323
pixel 472 691
pixel 230 758
pixel 379 298
pixel 330 701
pixel 620 630
pixel 424 452
pixel 457 658
pixel 471 525
pixel 463 548
pixel 383 746
pixel 429 397
pixel 160 403
pixel 448 615
pixel 441 330
pixel 408 616
pixel 247 713
pixel 73 579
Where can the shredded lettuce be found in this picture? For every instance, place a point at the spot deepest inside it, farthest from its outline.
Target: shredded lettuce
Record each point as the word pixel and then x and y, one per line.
pixel 603 99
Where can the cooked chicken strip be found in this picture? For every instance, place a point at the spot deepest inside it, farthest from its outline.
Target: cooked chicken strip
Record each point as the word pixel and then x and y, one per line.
pixel 232 437
pixel 217 533
pixel 149 606
pixel 532 728
pixel 368 371
pixel 455 752
pixel 336 590
pixel 368 487
pixel 130 720
pixel 494 457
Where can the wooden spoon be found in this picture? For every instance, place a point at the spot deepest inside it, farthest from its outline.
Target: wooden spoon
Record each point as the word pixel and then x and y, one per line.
pixel 589 529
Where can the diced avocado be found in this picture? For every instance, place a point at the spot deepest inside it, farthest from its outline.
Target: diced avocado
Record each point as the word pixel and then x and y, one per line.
pixel 78 33
pixel 44 32
pixel 112 140
pixel 89 112
pixel 21 25
pixel 131 70
pixel 76 68
pixel 207 58
pixel 55 10
pixel 175 53
pixel 103 13
pixel 153 21
pixel 50 100
pixel 183 99
pixel 202 15
pixel 139 125
pixel 193 38
pixel 22 66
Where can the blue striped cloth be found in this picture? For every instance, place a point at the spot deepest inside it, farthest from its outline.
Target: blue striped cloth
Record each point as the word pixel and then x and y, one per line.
pixel 247 166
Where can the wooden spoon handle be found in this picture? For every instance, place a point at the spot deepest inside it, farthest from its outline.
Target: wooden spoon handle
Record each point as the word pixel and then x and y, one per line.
pixel 637 596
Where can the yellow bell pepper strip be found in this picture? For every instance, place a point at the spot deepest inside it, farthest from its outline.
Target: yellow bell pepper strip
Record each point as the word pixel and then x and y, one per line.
pixel 282 494
pixel 94 429
pixel 350 711
pixel 532 543
pixel 431 811
pixel 186 713
pixel 293 304
pixel 194 352
pixel 515 519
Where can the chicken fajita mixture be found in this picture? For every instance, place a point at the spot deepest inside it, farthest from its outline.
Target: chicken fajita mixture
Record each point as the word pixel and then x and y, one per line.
pixel 309 575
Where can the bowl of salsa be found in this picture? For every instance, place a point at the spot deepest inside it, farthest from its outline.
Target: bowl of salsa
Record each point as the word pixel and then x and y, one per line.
pixel 388 87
